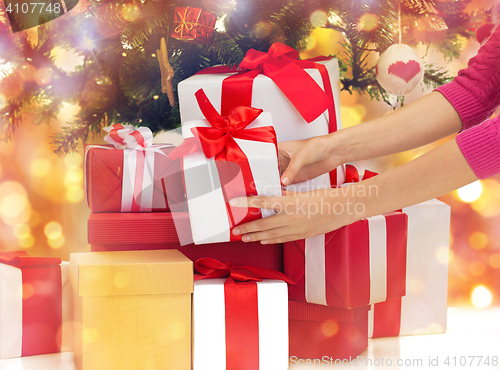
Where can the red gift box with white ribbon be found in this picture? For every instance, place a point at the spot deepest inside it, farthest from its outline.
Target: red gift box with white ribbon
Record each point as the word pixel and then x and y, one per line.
pixel 131 174
pixel 240 317
pixel 356 265
pixel 35 305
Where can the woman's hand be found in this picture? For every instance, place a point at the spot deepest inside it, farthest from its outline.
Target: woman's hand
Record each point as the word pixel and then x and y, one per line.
pixel 299 215
pixel 302 160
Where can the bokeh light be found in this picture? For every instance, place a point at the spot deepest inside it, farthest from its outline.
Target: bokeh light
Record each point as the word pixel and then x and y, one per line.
pixel 26 243
pixel 367 22
pixel 470 193
pixel 329 328
pixel 130 12
pixel 40 167
pixel 444 255
pixel 14 204
pixel 494 260
pixel 57 242
pixel 318 18
pixel 478 240
pixel 66 59
pixel 476 268
pixel 121 280
pixel 53 230
pixel 481 297
pixel 262 29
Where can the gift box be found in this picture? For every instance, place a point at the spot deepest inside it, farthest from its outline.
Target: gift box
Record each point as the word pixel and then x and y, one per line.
pixel 35 305
pixel 326 333
pixel 132 310
pixel 423 310
pixel 224 158
pixel 303 96
pixel 126 177
pixel 193 25
pixel 240 322
pixel 160 230
pixel 354 266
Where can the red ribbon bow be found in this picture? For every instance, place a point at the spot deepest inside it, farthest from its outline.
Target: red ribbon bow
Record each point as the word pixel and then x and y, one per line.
pixel 280 64
pixel 352 174
pixel 210 268
pixel 218 140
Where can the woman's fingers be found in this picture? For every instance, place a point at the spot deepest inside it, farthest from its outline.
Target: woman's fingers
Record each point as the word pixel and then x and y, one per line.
pixel 263 224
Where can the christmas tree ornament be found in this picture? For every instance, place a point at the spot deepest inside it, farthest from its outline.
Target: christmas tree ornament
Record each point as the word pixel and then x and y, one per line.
pixel 399 69
pixel 484 32
pixel 193 25
pixel 167 72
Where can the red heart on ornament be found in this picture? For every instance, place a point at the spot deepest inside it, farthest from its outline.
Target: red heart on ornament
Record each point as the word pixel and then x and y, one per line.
pixel 405 71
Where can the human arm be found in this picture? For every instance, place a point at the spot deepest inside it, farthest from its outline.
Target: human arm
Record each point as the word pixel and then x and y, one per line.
pixel 426 120
pixel 464 103
pixel 435 173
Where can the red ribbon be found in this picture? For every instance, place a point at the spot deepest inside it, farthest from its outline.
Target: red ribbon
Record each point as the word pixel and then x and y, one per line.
pixel 218 142
pixel 352 174
pixel 241 308
pixel 387 318
pixel 210 268
pixel 42 301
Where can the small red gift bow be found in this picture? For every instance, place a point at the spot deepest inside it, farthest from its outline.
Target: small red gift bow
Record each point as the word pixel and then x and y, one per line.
pixel 352 174
pixel 42 308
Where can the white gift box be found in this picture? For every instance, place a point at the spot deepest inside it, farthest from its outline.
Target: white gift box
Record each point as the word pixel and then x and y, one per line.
pixel 11 310
pixel 266 95
pixel 208 212
pixel 209 326
pixel 424 308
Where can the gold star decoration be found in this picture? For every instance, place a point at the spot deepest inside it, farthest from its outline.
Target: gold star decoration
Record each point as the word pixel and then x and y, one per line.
pixel 167 72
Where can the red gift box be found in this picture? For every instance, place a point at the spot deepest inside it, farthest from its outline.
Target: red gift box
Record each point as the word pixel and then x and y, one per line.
pixel 160 230
pixel 354 266
pixel 326 333
pixel 107 192
pixel 193 25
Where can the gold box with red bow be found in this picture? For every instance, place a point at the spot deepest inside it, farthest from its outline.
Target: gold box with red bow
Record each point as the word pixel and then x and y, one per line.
pixel 193 25
pixel 224 158
pixel 35 305
pixel 240 317
pixel 132 310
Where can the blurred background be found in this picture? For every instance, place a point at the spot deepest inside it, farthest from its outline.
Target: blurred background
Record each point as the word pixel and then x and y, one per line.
pixel 43 210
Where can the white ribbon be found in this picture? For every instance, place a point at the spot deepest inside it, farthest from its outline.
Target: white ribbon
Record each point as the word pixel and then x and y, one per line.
pixel 136 186
pixel 315 264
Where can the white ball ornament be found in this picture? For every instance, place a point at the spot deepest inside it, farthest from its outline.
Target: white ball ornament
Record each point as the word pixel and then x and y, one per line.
pixel 399 69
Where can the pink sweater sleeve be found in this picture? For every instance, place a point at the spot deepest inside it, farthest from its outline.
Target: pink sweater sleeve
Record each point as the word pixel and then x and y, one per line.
pixel 475 92
pixel 480 146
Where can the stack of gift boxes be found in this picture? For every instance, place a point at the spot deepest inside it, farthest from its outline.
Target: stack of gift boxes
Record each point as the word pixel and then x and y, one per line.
pixel 160 213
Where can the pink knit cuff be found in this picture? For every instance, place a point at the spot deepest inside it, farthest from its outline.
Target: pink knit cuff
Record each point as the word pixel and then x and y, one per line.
pixel 471 111
pixel 481 148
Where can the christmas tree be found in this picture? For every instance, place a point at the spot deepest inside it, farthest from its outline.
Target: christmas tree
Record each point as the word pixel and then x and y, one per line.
pixel 119 79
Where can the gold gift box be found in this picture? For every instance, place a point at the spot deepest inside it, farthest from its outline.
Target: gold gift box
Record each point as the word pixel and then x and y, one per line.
pixel 132 310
